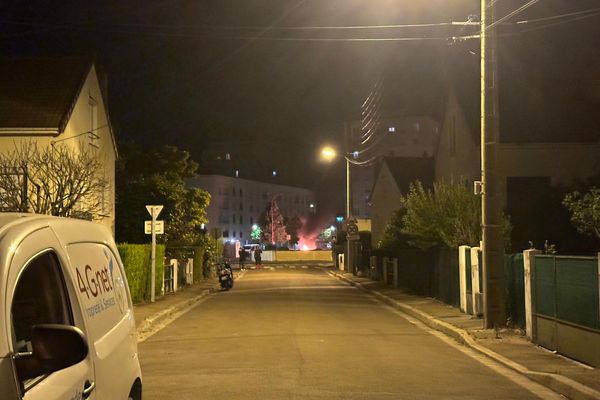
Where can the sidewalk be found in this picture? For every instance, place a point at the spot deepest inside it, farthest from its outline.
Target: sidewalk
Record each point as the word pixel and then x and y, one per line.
pixel 508 347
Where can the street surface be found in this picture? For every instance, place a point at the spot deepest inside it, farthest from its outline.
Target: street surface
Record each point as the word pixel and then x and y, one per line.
pixel 298 333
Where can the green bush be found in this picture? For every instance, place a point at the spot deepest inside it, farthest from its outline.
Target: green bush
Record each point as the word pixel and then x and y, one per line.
pixel 198 263
pixel 136 260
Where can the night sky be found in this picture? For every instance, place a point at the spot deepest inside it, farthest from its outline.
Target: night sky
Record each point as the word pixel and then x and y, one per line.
pixel 192 73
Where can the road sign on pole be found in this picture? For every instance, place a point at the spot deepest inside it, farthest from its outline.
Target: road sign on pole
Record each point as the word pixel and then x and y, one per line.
pixel 159 227
pixel 153 210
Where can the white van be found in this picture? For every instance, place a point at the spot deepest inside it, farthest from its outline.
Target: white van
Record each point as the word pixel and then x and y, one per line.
pixel 66 321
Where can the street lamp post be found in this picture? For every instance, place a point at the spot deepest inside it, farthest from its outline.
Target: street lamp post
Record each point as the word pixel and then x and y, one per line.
pixel 328 154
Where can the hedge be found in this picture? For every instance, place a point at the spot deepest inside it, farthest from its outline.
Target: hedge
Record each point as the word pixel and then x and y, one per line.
pixel 136 260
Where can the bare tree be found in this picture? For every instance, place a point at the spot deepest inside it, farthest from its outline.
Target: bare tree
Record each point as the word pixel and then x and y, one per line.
pixel 55 180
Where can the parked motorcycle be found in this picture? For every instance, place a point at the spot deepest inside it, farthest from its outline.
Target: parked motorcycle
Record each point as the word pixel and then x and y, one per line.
pixel 225 275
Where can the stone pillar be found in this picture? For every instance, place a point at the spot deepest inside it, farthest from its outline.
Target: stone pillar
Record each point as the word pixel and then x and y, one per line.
pixel 528 274
pixel 175 266
pixel 475 288
pixel 189 271
pixel 462 278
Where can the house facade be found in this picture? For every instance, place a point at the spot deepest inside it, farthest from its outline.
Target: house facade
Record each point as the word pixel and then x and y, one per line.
pixel 60 102
pixel 459 154
pixel 393 181
pixel 532 173
pixel 237 204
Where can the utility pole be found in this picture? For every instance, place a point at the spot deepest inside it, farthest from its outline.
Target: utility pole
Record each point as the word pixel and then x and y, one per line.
pixel 349 247
pixel 493 247
pixel 349 259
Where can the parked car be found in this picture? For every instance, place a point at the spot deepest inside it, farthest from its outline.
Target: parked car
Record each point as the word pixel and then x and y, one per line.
pixel 66 315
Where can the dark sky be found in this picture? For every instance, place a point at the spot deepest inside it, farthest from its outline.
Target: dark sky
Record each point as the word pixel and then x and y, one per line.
pixel 193 72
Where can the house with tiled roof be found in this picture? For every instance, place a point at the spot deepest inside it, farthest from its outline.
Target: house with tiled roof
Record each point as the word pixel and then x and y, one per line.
pixel 393 180
pixel 545 143
pixel 59 100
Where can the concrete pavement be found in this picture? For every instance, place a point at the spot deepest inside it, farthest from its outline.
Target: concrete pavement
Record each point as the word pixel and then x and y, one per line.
pixel 295 333
pixel 572 379
pixel 150 316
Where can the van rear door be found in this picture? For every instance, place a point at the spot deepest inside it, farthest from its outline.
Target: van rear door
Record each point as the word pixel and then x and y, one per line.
pixel 41 291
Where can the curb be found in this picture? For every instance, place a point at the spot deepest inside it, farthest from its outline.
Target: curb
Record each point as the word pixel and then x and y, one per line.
pixel 149 322
pixel 560 384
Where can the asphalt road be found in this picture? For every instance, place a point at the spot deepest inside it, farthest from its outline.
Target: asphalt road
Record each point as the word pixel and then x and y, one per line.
pixel 302 334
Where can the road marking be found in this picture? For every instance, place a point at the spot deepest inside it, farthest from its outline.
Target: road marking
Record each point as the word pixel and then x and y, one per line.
pixel 291 266
pixel 304 266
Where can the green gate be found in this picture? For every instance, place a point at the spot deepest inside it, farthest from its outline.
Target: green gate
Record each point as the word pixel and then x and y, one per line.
pixel 566 306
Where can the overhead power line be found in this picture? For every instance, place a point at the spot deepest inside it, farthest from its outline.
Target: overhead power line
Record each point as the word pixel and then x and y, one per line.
pixel 560 16
pixel 512 13
pixel 560 22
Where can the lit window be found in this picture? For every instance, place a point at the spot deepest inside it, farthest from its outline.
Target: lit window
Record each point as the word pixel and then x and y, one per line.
pixel 237 173
pixel 391 129
pixel 227 156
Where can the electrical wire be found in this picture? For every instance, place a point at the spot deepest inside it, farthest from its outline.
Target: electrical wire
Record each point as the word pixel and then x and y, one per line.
pixel 365 163
pixel 555 23
pixel 512 13
pixel 553 17
pixel 242 27
pixel 88 132
pixel 392 39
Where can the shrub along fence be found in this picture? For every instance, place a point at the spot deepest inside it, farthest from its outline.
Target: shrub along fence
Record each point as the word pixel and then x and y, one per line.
pixel 136 260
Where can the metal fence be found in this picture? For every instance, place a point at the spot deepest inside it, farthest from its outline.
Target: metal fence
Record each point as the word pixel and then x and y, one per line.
pixel 567 307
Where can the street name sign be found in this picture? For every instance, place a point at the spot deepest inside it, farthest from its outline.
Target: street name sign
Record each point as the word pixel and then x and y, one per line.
pixel 159 227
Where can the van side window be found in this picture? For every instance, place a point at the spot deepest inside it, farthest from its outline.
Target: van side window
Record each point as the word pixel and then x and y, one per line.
pixel 40 298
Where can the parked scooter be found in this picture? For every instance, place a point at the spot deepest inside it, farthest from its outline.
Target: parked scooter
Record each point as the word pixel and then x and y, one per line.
pixel 225 275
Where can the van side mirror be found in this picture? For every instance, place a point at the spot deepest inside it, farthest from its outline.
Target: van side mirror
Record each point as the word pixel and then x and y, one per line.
pixel 54 347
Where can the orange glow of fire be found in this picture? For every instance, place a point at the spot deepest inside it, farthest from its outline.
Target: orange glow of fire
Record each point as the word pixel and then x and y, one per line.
pixel 306 243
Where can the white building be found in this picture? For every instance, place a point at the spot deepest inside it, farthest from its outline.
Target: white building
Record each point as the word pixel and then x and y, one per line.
pixel 237 204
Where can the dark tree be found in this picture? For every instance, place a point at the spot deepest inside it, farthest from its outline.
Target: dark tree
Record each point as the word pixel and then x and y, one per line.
pixel 157 176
